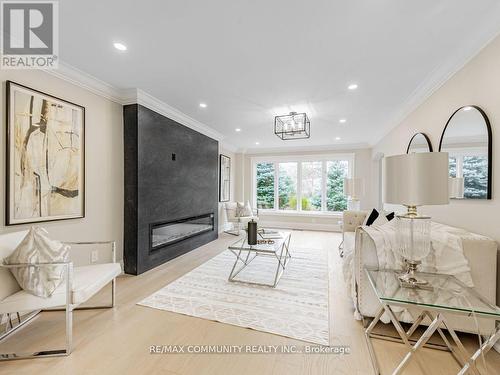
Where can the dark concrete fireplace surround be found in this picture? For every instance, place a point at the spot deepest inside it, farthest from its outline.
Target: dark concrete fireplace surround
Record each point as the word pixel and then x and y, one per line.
pixel 171 175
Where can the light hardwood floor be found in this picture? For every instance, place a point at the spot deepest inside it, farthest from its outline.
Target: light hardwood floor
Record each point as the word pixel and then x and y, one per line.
pixel 117 341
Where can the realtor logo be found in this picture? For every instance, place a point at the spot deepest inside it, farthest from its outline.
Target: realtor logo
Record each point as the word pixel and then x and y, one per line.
pixel 29 37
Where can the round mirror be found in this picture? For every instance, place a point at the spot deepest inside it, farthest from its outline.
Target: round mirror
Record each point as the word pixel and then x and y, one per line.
pixel 467 139
pixel 419 143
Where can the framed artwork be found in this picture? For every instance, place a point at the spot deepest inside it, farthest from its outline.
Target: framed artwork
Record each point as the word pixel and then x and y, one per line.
pixel 45 157
pixel 224 178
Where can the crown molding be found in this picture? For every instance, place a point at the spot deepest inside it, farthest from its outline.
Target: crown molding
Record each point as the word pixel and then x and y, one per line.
pixel 86 81
pixel 441 74
pixel 143 98
pixel 320 148
pixel 90 83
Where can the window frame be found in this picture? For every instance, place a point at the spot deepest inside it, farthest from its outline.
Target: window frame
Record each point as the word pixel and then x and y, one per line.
pixel 299 159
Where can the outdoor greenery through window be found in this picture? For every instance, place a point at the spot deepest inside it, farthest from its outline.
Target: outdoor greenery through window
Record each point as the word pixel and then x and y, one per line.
pixel 474 170
pixel 308 186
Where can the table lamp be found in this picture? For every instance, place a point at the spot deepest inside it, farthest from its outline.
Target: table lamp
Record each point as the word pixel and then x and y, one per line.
pixel 353 188
pixel 412 180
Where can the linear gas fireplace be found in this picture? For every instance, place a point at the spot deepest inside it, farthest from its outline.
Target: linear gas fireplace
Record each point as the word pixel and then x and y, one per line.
pixel 168 233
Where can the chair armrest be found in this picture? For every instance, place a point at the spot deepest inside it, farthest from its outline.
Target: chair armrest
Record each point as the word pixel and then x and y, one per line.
pixel 81 252
pixel 352 219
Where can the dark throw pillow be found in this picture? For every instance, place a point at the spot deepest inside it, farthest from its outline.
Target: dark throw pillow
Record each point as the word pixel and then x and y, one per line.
pixel 372 217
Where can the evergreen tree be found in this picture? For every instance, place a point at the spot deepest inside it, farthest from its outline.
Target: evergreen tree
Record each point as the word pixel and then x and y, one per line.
pixel 335 198
pixel 475 171
pixel 265 185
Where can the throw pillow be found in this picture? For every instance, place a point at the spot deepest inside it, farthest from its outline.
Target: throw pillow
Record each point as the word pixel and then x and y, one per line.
pixel 380 220
pixel 244 210
pixel 36 247
pixel 390 216
pixel 375 215
pixel 370 219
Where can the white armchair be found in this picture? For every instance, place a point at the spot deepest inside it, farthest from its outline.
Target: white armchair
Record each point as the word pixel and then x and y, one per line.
pixel 236 221
pixel 82 281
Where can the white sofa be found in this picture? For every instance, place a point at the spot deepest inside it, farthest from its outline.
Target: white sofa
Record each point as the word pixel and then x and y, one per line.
pixel 480 251
pixel 84 281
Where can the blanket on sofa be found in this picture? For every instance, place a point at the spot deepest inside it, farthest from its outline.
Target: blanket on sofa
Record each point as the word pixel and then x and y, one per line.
pixel 446 255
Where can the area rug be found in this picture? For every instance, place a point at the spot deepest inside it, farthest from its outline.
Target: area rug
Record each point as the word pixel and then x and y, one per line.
pixel 296 308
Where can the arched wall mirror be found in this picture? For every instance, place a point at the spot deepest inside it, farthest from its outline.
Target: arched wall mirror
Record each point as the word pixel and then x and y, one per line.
pixel 467 139
pixel 419 143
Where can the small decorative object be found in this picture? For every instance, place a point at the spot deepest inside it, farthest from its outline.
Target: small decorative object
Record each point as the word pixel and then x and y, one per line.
pixel 353 188
pixel 252 232
pixel 45 157
pixel 224 178
pixel 292 126
pixel 413 180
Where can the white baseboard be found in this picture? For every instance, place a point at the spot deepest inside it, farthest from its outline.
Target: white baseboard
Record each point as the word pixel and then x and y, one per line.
pixel 300 226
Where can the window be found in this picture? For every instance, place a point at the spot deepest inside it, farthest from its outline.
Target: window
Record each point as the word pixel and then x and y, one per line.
pixel 336 171
pixel 312 181
pixel 287 188
pixel 475 173
pixel 301 184
pixel 265 185
pixel 473 167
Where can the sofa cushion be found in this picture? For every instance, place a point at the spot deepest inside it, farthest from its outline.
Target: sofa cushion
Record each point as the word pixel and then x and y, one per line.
pixel 87 281
pixel 37 247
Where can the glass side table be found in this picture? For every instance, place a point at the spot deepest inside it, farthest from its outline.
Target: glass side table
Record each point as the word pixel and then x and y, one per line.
pixel 448 295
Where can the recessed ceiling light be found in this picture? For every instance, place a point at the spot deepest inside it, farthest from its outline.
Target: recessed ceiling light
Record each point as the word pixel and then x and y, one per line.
pixel 237 129
pixel 343 120
pixel 120 46
pixel 257 143
pixel 468 108
pixel 352 86
pixel 203 105
pixel 337 138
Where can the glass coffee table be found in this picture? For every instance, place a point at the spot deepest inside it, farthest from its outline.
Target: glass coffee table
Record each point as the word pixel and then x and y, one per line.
pixel 277 247
pixel 448 295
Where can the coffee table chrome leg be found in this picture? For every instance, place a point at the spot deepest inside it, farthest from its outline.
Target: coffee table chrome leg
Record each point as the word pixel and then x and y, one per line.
pixel 485 348
pixel 420 343
pixel 459 354
pixel 368 331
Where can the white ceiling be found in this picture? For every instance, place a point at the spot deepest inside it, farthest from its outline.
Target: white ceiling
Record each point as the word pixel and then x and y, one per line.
pixel 250 60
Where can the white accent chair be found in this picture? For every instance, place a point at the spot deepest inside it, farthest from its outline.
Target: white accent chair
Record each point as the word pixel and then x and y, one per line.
pixel 82 281
pixel 236 222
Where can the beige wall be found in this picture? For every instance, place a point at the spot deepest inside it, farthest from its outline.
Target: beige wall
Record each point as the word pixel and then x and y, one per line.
pixel 362 168
pixel 477 83
pixel 103 157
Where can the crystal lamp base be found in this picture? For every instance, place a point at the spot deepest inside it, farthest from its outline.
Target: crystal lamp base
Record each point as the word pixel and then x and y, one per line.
pixel 410 280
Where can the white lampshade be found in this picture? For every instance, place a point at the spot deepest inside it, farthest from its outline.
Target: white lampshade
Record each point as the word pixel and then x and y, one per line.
pixel 353 187
pixel 456 187
pixel 417 179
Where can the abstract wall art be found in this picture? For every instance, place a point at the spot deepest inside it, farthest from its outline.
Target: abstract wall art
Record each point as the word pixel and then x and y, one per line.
pixel 45 157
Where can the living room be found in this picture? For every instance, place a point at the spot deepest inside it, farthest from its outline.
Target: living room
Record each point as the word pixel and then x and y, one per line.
pixel 252 187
